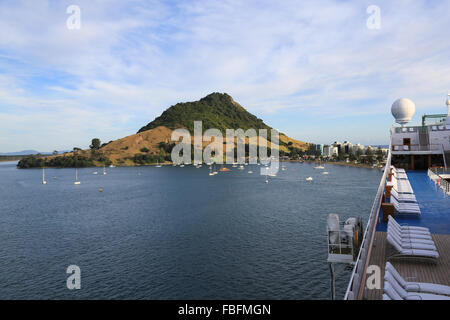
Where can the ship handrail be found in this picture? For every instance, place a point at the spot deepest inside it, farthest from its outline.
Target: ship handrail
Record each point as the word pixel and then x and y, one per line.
pixel 433 174
pixel 353 288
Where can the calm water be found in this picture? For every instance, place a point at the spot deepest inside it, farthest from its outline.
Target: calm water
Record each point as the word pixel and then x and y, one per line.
pixel 174 233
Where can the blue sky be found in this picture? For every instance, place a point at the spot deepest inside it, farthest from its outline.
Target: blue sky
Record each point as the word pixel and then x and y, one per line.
pixel 311 69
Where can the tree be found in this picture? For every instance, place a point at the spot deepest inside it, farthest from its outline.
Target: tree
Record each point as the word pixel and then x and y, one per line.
pixel 95 144
pixel 369 155
pixel 379 154
pixel 358 154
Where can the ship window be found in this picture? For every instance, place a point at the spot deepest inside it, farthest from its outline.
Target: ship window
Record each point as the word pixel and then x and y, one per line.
pixel 406 141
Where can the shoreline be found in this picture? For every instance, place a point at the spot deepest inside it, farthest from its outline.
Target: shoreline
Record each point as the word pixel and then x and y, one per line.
pixel 337 163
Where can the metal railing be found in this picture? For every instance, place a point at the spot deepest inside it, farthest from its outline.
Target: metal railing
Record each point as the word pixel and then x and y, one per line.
pixel 435 174
pixel 358 276
pixel 416 147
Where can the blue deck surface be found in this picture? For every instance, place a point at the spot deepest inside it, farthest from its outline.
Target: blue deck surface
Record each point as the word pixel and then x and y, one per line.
pixel 433 203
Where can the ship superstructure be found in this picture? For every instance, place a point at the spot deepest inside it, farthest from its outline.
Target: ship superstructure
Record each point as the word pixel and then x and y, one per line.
pixel 405 250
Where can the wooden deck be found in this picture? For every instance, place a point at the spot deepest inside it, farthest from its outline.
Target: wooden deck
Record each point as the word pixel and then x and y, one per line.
pixel 421 271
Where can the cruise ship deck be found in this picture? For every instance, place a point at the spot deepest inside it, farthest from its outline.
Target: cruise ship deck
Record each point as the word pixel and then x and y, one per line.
pixel 424 193
pixel 435 215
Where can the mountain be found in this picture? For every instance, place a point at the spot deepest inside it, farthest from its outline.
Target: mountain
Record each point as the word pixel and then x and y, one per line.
pixel 20 153
pixel 216 110
pixel 153 142
pixel 28 152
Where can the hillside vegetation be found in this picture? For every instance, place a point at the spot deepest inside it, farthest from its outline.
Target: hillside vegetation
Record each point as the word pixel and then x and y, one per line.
pixel 153 142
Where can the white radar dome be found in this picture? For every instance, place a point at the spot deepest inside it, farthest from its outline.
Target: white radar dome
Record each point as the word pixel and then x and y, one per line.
pixel 403 110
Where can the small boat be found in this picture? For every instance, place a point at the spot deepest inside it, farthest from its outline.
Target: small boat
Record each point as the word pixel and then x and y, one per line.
pixel 158 165
pixel 272 175
pixel 234 165
pixel 76 177
pixel 43 176
pixel 181 166
pixel 211 173
pixel 112 166
pixel 95 172
pixel 250 171
pixel 325 172
pixel 320 166
pixel 224 169
pixel 241 167
pixel 283 168
pixel 309 179
pixel 267 179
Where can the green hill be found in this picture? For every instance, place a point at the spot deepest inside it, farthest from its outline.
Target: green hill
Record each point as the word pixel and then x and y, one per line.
pixel 216 110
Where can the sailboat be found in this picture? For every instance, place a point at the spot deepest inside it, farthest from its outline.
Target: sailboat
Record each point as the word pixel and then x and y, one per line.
pixel 43 176
pixel 210 171
pixel 320 166
pixel 157 164
pixel 76 177
pixel 267 179
pixel 104 170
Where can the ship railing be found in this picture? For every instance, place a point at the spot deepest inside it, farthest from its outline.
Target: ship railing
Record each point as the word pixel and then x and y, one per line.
pixel 436 174
pixel 416 147
pixel 358 277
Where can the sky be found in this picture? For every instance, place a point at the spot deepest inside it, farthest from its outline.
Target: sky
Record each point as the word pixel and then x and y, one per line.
pixel 319 71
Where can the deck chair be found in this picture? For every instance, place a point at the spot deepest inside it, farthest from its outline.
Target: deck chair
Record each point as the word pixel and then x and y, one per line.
pixel 403 197
pixel 409 234
pixel 402 186
pixel 405 208
pixel 400 252
pixel 420 238
pixel 393 289
pixel 408 228
pixel 411 243
pixel 417 286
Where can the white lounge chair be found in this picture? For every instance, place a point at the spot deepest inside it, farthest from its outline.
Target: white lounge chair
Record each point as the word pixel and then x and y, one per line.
pixel 411 243
pixel 402 186
pixel 417 286
pixel 400 170
pixel 403 197
pixel 409 234
pixel 401 252
pixel 409 228
pixel 396 292
pixel 405 208
pixel 410 237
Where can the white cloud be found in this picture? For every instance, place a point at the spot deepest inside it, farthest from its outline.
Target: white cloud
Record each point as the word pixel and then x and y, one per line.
pixel 133 59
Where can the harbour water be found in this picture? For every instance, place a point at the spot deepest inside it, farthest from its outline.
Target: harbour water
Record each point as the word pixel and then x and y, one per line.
pixel 175 233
